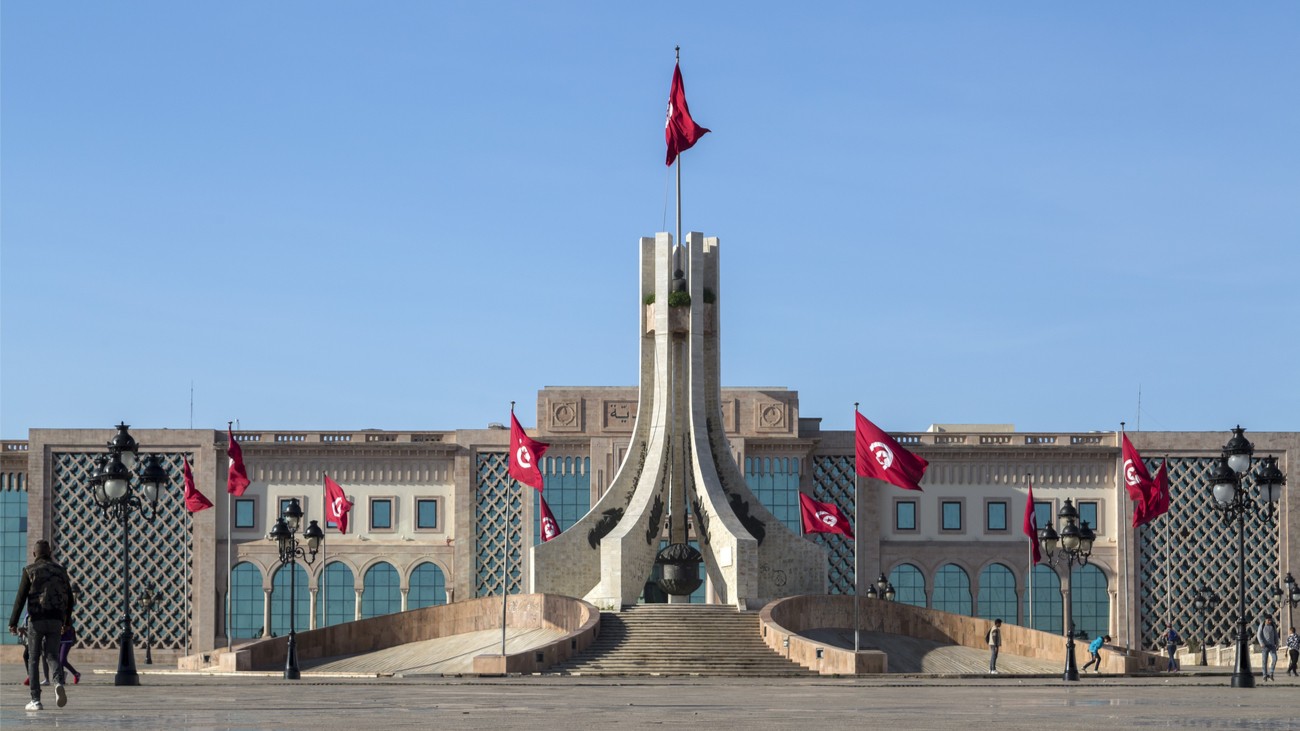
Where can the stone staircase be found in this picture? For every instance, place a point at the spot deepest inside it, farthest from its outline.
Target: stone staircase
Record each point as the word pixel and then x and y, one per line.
pixel 680 639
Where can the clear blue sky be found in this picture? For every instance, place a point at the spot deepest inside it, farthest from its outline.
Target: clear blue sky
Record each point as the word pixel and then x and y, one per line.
pixel 404 215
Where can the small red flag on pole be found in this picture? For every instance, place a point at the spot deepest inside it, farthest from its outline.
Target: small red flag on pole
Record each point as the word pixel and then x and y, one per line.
pixel 550 527
pixel 1137 481
pixel 1031 526
pixel 680 131
pixel 525 455
pixel 820 517
pixel 337 506
pixel 878 456
pixel 194 500
pixel 237 479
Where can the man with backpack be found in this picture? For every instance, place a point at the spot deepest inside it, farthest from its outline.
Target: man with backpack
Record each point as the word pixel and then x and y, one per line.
pixel 46 592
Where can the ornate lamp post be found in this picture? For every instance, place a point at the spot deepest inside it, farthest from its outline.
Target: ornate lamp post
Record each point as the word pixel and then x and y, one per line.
pixel 284 533
pixel 117 498
pixel 1231 500
pixel 1073 545
pixel 147 600
pixel 1204 598
pixel 1292 598
pixel 882 589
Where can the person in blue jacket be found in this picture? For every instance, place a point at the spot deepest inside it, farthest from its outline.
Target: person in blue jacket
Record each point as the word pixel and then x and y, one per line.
pixel 1094 649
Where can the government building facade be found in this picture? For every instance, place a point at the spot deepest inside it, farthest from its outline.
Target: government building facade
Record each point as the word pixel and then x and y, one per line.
pixel 430 522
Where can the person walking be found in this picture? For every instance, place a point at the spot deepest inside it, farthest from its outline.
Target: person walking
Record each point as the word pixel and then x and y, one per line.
pixel 995 642
pixel 1094 649
pixel 1293 652
pixel 46 592
pixel 1268 637
pixel 66 641
pixel 1171 640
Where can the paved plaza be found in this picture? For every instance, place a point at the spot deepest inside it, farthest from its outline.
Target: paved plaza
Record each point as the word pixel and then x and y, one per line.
pixel 169 700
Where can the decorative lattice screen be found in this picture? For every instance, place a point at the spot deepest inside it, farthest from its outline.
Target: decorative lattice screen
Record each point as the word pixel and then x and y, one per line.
pixel 89 544
pixel 833 480
pixel 494 493
pixel 1192 543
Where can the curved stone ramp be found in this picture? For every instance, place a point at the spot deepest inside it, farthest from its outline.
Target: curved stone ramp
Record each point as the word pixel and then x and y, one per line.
pixel 452 655
pixel 915 655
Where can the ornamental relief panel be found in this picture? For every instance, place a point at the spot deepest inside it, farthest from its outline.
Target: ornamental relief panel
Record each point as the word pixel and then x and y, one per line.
pixel 1044 474
pixel 565 415
pixel 352 471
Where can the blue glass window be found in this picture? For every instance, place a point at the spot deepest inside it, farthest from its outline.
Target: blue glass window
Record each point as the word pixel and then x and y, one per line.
pixel 428 587
pixel 244 516
pixel 909 585
pixel 951 510
pixel 284 596
pixel 997 598
pixel 247 602
pixel 13 544
pixel 905 516
pixel 1088 512
pixel 775 482
pixel 952 590
pixel 1089 600
pixel 426 514
pixel 995 516
pixel 568 492
pixel 381 514
pixel 337 586
pixel 382 593
pixel 1043 514
pixel 1045 607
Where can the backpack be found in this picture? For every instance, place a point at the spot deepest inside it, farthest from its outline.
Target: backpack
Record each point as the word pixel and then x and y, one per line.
pixel 51 592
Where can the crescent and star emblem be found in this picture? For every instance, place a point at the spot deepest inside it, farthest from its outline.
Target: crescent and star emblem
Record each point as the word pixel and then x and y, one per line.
pixel 524 457
pixel 1130 473
pixel 884 455
pixel 549 528
pixel 827 518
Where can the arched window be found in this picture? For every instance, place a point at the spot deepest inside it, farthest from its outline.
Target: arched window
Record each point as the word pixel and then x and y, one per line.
pixel 337 600
pixel 952 589
pixel 997 599
pixel 247 601
pixel 428 587
pixel 382 593
pixel 909 585
pixel 280 601
pixel 1044 605
pixel 1089 600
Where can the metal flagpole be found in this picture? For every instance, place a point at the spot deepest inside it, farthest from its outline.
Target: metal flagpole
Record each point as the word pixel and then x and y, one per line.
pixel 505 574
pixel 324 564
pixel 1032 565
pixel 857 567
pixel 230 541
pixel 678 51
pixel 1126 547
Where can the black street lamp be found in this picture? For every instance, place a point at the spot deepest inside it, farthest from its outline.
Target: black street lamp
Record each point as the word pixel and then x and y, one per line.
pixel 1231 500
pixel 117 498
pixel 1204 598
pixel 1292 598
pixel 1073 545
pixel 147 600
pixel 284 533
pixel 881 589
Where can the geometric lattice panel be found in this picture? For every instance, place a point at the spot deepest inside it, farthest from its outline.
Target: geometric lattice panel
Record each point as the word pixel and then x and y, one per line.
pixel 498 523
pixel 1194 543
pixel 89 545
pixel 833 482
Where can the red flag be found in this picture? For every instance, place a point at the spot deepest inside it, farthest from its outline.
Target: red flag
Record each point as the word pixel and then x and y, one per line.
pixel 680 130
pixel 1137 481
pixel 1157 502
pixel 525 454
pixel 237 481
pixel 337 506
pixel 194 500
pixel 1031 526
pixel 879 456
pixel 550 527
pixel 819 517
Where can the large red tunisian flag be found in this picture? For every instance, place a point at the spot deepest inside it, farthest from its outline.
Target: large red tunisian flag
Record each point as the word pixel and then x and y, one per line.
pixel 194 500
pixel 525 453
pixel 550 528
pixel 820 517
pixel 1157 502
pixel 237 481
pixel 680 130
pixel 1137 481
pixel 879 456
pixel 1031 526
pixel 337 506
